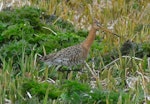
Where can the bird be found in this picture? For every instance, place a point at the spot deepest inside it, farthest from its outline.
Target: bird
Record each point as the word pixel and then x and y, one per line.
pixel 73 55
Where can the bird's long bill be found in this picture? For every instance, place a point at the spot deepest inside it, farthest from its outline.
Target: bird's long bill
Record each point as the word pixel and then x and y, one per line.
pixel 107 30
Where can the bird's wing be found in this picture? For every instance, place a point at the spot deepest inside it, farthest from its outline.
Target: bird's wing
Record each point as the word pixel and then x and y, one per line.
pixel 66 56
pixel 71 55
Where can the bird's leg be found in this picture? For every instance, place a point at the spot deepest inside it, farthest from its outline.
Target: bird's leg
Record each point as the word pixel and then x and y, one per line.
pixel 82 68
pixel 61 69
pixel 77 68
pixel 68 72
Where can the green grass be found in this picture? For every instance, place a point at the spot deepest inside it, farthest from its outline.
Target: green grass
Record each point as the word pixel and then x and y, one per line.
pixel 25 32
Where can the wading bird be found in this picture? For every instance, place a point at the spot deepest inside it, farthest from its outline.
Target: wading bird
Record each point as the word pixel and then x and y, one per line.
pixel 73 55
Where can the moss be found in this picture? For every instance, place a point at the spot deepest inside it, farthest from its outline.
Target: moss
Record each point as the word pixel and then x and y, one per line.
pixel 23 15
pixel 39 89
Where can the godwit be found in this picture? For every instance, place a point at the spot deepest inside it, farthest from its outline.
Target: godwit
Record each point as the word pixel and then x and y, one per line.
pixel 74 55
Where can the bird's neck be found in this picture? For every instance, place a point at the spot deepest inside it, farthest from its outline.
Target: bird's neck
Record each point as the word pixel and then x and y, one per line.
pixel 90 38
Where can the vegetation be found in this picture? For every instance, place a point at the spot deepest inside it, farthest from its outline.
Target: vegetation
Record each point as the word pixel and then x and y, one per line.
pixel 116 72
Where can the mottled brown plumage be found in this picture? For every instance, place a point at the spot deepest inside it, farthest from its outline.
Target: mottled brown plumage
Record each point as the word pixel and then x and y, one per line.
pixel 74 55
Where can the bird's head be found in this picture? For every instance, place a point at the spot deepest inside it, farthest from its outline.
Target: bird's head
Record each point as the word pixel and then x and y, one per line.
pixel 96 24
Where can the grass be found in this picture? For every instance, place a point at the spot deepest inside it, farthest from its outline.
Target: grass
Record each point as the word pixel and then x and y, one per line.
pixel 110 76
